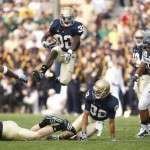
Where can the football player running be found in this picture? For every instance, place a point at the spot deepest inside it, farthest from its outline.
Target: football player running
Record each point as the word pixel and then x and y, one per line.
pixel 99 106
pixel 144 102
pixel 8 72
pixel 67 31
pixel 135 61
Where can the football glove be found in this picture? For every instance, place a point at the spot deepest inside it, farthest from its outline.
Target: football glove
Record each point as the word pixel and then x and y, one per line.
pixel 46 44
pixel 68 55
pixel 38 75
pixel 84 136
pixel 23 78
pixel 135 78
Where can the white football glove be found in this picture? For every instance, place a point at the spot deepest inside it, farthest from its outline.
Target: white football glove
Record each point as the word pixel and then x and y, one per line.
pixel 68 55
pixel 46 44
pixel 23 78
pixel 84 136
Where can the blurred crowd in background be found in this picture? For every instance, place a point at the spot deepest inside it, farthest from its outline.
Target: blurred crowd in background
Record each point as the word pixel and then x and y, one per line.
pixel 105 48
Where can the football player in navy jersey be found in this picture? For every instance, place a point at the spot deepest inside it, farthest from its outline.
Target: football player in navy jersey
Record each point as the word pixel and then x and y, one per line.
pixel 144 102
pixel 8 72
pixel 135 61
pixel 67 31
pixel 99 106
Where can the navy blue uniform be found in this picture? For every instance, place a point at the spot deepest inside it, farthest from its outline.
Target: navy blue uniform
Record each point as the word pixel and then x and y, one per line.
pixel 100 110
pixel 65 34
pixel 137 53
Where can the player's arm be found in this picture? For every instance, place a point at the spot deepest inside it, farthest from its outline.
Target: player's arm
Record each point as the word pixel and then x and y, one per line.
pixel 139 72
pixel 112 129
pixel 85 120
pixel 9 73
pixel 141 68
pixel 74 42
pixel 134 62
pixel 46 35
pixel 84 125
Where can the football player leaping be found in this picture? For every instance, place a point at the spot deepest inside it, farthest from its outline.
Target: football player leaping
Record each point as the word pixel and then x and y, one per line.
pixel 99 106
pixel 144 102
pixel 67 31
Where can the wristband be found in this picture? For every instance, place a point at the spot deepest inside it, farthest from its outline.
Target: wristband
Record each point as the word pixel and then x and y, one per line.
pixel 5 70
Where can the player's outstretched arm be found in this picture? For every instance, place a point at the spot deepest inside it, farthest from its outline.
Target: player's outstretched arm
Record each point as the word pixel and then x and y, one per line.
pixel 8 72
pixel 112 129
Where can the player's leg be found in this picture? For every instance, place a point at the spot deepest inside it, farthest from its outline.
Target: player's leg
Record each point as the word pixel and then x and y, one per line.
pixel 66 71
pixel 11 131
pixel 48 120
pixel 144 102
pixel 39 74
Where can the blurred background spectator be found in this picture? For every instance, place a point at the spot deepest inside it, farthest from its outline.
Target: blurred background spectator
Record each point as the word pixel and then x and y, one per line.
pixel 109 27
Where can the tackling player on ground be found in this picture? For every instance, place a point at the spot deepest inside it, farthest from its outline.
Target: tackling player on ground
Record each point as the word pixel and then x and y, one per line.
pixel 10 130
pixel 67 31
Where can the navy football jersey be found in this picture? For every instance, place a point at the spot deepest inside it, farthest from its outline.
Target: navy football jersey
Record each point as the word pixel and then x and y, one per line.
pixel 100 110
pixel 137 53
pixel 65 34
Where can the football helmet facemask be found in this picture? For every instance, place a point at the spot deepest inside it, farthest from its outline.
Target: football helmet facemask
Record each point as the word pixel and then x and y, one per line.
pixel 67 16
pixel 146 43
pixel 138 37
pixel 101 89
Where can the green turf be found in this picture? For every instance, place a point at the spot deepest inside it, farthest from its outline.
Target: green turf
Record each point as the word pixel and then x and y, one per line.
pixel 126 128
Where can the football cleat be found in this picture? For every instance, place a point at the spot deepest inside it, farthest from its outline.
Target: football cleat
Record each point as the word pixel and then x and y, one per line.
pixel 143 132
pixel 68 126
pixel 38 75
pixel 52 119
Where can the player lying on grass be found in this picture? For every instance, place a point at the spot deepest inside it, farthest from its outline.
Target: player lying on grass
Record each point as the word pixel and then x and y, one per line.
pixel 10 130
pixel 99 106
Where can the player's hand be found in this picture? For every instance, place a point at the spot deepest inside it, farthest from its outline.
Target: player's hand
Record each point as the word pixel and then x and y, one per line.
pixel 47 44
pixel 23 78
pixel 134 78
pixel 68 55
pixel 84 136
pixel 38 75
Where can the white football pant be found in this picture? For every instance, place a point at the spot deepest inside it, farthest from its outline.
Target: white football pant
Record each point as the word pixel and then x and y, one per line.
pixel 66 70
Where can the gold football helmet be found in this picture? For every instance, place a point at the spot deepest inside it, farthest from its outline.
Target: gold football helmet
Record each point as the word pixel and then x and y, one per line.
pixel 101 89
pixel 67 16
pixel 138 37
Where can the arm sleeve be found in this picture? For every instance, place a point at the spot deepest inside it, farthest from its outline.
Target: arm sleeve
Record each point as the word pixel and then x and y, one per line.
pixel 77 29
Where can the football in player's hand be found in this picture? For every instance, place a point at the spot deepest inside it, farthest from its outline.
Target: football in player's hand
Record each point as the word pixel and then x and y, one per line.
pixel 52 40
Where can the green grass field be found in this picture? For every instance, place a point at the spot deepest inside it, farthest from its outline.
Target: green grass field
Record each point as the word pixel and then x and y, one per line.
pixel 126 128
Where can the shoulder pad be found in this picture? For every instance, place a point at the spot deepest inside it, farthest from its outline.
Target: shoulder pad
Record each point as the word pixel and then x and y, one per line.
pixel 53 25
pixel 113 103
pixel 89 95
pixel 77 28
